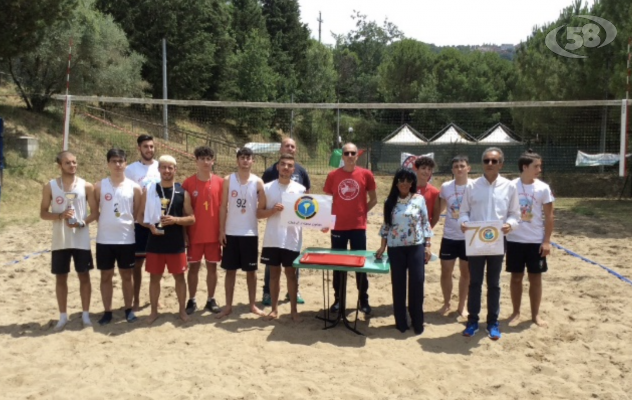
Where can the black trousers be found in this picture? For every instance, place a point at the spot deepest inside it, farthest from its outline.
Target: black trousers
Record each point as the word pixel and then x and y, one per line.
pixel 477 273
pixel 408 274
pixel 357 240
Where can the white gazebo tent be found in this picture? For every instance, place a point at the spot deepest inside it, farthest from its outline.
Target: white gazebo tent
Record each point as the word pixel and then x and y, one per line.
pixel 499 133
pixel 450 134
pixel 405 134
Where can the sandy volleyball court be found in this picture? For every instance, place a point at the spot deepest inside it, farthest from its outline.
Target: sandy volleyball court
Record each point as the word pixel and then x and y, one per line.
pixel 585 352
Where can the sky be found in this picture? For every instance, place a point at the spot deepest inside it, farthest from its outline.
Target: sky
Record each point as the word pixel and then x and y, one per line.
pixel 440 22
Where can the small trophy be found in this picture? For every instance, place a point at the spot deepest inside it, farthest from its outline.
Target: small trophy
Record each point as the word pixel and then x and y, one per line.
pixel 163 211
pixel 71 206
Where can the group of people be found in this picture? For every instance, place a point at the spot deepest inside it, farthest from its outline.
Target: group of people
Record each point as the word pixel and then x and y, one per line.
pixel 413 207
pixel 145 217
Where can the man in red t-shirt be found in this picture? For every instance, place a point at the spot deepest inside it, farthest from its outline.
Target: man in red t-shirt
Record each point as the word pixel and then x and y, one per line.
pixel 424 166
pixel 205 191
pixel 349 186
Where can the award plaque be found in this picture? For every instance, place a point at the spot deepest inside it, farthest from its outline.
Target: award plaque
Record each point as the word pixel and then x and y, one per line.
pixel 70 197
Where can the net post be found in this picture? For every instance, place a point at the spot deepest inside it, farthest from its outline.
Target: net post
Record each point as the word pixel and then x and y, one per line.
pixel 623 142
pixel 67 122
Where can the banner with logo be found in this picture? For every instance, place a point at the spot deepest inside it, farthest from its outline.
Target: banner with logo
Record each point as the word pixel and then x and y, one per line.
pixel 484 239
pixel 408 160
pixel 307 210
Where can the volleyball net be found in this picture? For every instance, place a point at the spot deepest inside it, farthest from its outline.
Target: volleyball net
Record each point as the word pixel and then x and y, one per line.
pixel 385 132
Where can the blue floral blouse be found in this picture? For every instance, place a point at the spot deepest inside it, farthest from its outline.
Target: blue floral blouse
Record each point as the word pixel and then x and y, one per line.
pixel 410 224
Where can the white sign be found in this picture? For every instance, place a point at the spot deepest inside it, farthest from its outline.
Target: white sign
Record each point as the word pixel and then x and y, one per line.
pixel 307 210
pixel 484 239
pixel 408 160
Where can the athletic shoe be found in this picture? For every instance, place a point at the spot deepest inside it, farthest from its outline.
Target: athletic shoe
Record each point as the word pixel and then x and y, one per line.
pixel 493 331
pixel 299 298
pixel 267 299
pixel 470 329
pixel 106 319
pixel 365 308
pixel 191 307
pixel 335 308
pixel 212 306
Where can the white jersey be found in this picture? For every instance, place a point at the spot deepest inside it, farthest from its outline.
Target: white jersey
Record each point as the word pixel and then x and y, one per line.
pixel 283 237
pixel 143 174
pixel 241 219
pixel 116 217
pixel 453 196
pixel 63 236
pixel 532 199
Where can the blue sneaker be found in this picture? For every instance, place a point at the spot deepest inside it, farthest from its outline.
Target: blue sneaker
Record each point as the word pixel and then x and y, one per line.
pixel 493 331
pixel 470 329
pixel 267 299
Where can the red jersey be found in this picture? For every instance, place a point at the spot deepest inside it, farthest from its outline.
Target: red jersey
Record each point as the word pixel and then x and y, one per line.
pixel 349 190
pixel 206 198
pixel 430 194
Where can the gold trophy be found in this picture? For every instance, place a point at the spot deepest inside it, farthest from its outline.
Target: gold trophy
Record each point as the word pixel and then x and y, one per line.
pixel 70 197
pixel 163 211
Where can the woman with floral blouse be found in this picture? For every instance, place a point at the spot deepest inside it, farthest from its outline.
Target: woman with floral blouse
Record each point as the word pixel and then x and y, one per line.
pixel 406 232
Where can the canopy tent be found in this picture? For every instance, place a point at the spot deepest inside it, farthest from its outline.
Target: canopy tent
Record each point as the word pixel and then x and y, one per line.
pixel 452 133
pixel 499 133
pixel 405 134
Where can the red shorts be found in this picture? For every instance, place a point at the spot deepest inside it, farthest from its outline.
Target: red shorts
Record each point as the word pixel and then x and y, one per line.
pixel 176 263
pixel 212 252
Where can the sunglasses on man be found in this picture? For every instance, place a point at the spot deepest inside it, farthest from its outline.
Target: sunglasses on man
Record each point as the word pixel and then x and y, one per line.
pixel 350 153
pixel 491 161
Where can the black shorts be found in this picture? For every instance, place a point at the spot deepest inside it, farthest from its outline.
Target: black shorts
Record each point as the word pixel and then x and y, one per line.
pixel 121 254
pixel 60 261
pixel 276 256
pixel 520 255
pixel 241 252
pixel 141 235
pixel 452 249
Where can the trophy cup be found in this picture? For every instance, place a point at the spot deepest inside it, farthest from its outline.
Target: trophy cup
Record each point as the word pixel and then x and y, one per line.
pixel 163 211
pixel 71 206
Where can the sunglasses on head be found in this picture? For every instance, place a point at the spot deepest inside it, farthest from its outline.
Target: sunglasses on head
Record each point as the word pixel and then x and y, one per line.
pixel 350 153
pixel 491 161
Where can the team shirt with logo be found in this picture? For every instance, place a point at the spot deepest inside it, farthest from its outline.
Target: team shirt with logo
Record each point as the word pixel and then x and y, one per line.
pixel 206 198
pixel 532 199
pixel 453 196
pixel 143 174
pixel 430 194
pixel 65 237
pixel 116 216
pixel 241 219
pixel 277 235
pixel 349 190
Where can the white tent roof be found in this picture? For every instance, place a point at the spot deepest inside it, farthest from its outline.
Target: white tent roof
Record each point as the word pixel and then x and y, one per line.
pixel 498 135
pixel 450 134
pixel 405 134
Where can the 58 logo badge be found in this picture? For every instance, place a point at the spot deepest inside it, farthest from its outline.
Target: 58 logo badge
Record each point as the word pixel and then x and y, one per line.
pixel 581 36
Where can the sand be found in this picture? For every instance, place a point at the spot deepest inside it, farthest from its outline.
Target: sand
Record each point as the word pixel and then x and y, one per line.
pixel 585 352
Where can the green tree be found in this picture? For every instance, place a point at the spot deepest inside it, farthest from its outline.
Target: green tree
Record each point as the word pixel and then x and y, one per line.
pixel 102 62
pixel 251 78
pixel 405 68
pixel 246 16
pixel 289 39
pixel 198 42
pixel 24 23
pixel 368 42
